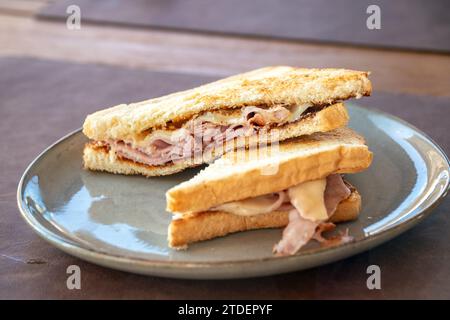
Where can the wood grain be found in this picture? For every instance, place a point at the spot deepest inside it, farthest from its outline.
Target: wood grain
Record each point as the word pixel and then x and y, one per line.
pixel 22 7
pixel 27 262
pixel 392 70
pixel 406 24
pixel 42 100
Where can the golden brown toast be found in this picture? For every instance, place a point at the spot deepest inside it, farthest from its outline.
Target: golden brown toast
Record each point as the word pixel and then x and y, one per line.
pixel 327 119
pixel 262 87
pixel 249 173
pixel 208 225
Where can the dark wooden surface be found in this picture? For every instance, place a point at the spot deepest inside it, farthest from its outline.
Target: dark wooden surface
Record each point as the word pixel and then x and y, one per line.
pixel 41 100
pixel 411 24
pixel 397 71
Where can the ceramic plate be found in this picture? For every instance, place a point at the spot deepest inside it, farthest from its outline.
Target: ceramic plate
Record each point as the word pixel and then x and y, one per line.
pixel 120 221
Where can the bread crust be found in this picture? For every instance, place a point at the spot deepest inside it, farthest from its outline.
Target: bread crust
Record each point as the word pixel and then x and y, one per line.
pixel 208 225
pixel 101 159
pixel 235 177
pixel 266 86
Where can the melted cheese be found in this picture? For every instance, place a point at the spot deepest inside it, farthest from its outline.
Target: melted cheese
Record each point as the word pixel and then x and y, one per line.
pixel 228 117
pixel 308 199
pixel 296 112
pixel 253 206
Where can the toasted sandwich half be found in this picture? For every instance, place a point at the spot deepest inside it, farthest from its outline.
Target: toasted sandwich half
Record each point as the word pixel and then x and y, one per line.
pixel 168 134
pixel 297 185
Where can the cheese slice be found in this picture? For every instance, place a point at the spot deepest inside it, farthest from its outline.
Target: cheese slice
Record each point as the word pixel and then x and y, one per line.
pixel 253 206
pixel 296 111
pixel 308 199
pixel 228 117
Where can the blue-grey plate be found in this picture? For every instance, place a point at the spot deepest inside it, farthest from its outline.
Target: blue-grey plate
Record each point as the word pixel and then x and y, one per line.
pixel 120 221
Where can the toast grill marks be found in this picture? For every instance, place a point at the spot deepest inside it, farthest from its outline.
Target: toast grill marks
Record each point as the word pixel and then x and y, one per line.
pixel 204 134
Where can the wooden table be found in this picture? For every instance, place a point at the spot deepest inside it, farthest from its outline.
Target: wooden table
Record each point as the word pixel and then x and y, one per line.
pixel 21 35
pixel 396 71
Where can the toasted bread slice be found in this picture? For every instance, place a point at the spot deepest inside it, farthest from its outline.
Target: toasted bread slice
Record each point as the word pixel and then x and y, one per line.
pixel 263 87
pixel 249 173
pixel 102 159
pixel 208 225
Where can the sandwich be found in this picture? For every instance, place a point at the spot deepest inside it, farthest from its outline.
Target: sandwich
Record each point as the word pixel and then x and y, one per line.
pixel 297 185
pixel 165 135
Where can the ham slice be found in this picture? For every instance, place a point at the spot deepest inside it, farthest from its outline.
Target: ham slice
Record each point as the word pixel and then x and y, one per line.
pixel 182 144
pixel 125 150
pixel 297 233
pixel 332 241
pixel 335 192
pixel 204 134
pixel 262 117
pixel 300 230
pixel 310 205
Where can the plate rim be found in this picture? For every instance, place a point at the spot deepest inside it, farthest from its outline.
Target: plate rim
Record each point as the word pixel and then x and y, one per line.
pixel 82 252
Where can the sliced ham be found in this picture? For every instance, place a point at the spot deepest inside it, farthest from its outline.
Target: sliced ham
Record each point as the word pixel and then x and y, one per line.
pixel 161 144
pixel 332 241
pixel 263 117
pixel 291 241
pixel 297 233
pixel 335 192
pixel 305 203
pixel 126 151
pixel 182 144
pixel 204 133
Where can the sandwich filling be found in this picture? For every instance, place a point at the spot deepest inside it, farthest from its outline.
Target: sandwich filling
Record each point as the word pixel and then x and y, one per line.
pixel 310 204
pixel 205 134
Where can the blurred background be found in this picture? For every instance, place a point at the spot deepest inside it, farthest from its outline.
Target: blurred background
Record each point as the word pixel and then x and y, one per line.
pixel 63 59
pixel 407 48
